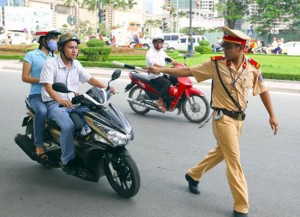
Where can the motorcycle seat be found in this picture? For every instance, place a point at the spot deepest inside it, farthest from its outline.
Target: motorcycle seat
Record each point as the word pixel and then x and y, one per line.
pixel 141 77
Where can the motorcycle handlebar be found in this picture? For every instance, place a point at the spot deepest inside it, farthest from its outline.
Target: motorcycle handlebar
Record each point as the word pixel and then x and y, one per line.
pixel 77 99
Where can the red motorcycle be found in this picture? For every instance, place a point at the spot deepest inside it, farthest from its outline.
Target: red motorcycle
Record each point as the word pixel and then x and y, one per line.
pixel 183 96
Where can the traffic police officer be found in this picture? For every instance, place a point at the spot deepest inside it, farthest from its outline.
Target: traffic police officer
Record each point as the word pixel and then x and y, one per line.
pixel 232 77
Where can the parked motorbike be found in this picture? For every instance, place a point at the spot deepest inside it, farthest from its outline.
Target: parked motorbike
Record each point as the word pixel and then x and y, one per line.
pixel 183 96
pixel 100 153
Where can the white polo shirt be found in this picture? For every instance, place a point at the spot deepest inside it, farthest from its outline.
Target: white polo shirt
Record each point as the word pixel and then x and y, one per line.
pixel 158 57
pixel 55 71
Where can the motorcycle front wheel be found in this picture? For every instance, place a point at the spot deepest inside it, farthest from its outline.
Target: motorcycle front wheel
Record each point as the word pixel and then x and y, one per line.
pixel 195 108
pixel 123 176
pixel 139 95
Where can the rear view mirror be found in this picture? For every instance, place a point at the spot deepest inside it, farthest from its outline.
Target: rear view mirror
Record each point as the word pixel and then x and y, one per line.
pixel 116 74
pixel 168 60
pixel 60 87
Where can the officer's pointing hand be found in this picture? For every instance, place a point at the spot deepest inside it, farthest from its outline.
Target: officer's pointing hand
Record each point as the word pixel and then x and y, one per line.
pixel 274 125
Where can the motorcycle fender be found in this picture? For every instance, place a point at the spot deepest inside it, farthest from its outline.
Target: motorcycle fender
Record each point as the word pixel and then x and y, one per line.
pixel 191 91
pixel 120 150
pixel 25 121
pixel 129 86
pixel 28 123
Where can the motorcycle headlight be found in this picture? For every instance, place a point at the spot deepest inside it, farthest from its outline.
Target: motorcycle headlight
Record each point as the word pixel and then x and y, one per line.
pixel 117 137
pixel 110 136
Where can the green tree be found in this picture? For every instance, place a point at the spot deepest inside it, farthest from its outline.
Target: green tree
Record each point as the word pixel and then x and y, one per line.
pixel 173 15
pixel 270 12
pixel 233 10
pixel 195 31
pixel 149 24
pixel 84 28
pixel 119 4
pixel 90 4
pixel 130 4
pixel 295 13
pixel 180 14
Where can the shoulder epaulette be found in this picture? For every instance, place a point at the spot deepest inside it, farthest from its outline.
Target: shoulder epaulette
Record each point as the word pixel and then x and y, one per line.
pixel 254 63
pixel 217 58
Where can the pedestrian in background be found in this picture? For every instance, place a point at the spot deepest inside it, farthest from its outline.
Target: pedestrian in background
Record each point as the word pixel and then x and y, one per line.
pixel 8 40
pixel 272 46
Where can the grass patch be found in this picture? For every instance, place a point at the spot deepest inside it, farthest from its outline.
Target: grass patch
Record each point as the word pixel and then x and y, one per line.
pixel 280 67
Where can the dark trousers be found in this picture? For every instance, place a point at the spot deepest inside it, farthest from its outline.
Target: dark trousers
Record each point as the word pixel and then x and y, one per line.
pixel 161 85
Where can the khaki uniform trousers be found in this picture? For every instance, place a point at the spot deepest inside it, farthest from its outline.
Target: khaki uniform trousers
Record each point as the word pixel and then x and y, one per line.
pixel 227 132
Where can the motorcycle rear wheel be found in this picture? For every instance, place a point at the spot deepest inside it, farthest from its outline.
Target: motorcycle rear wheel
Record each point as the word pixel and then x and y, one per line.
pixel 195 108
pixel 123 176
pixel 139 95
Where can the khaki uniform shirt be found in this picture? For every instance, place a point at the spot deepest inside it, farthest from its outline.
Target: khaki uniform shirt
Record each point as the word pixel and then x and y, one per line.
pixel 238 82
pixel 154 56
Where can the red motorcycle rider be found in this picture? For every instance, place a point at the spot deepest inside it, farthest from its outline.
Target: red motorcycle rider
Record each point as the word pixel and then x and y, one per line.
pixel 160 82
pixel 183 96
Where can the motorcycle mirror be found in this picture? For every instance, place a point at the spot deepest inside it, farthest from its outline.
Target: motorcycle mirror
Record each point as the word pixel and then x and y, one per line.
pixel 60 87
pixel 168 60
pixel 116 74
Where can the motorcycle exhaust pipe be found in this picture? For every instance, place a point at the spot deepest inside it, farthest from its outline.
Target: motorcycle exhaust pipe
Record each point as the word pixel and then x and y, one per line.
pixel 141 104
pixel 27 145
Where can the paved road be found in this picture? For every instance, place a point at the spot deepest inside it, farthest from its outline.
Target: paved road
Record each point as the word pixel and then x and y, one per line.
pixel 165 145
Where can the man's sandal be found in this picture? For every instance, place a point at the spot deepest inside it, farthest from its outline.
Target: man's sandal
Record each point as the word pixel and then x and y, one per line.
pixel 162 108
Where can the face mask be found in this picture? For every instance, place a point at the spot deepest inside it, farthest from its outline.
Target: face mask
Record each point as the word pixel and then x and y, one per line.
pixel 52 44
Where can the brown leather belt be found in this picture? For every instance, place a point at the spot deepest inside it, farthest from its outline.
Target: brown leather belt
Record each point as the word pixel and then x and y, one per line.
pixel 235 115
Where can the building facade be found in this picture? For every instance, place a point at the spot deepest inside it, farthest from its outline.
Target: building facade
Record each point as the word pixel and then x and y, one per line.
pixel 54 14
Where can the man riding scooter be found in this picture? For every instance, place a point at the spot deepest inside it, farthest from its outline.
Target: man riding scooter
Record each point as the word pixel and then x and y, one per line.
pixel 65 69
pixel 156 57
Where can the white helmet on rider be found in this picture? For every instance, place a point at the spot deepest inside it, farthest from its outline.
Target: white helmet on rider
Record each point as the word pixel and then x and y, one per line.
pixel 158 38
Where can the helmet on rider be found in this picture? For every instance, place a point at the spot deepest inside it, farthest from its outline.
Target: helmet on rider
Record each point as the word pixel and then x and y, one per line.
pixel 48 39
pixel 157 38
pixel 158 42
pixel 64 39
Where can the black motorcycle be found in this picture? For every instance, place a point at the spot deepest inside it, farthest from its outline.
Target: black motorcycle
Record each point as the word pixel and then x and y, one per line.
pixel 101 152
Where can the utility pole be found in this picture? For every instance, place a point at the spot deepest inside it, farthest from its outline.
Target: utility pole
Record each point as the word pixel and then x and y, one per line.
pixel 99 15
pixel 177 17
pixel 190 52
